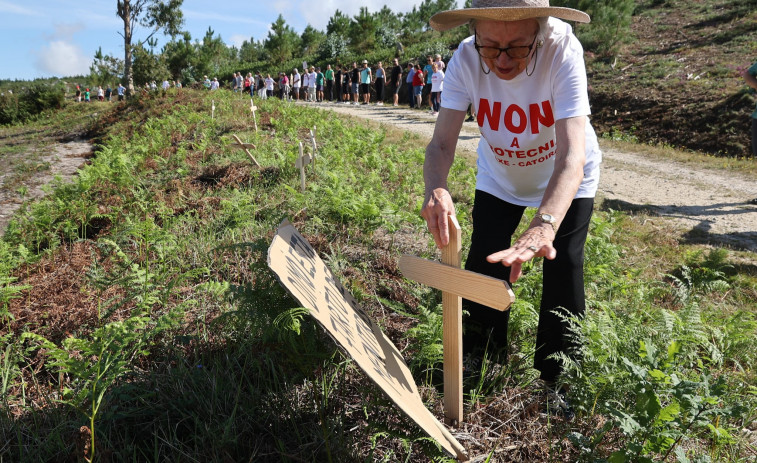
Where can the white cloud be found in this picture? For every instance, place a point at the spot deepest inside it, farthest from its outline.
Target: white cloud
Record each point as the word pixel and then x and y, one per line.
pixel 6 7
pixel 237 40
pixel 62 58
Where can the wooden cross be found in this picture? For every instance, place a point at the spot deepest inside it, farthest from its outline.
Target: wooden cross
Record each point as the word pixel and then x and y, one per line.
pixel 254 108
pixel 244 146
pixel 315 147
pixel 302 161
pixel 455 283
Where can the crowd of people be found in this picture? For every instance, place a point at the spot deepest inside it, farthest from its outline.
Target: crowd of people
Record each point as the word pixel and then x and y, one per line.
pixel 106 94
pixel 348 84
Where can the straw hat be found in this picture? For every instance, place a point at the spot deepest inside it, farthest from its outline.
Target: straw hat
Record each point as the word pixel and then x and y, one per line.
pixel 504 10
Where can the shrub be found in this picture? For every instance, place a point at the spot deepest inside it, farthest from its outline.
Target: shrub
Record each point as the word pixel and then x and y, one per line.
pixel 20 107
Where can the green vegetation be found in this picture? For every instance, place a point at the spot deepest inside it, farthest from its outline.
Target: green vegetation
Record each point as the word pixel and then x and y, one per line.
pixel 139 320
pixel 27 102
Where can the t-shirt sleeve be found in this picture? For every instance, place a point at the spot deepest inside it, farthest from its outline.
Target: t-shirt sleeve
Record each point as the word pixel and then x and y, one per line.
pixel 455 94
pixel 569 84
pixel 753 70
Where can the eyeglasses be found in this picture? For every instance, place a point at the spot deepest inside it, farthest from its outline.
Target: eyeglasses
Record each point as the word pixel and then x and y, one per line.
pixel 518 52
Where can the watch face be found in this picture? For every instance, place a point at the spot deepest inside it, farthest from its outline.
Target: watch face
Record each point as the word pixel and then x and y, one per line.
pixel 547 218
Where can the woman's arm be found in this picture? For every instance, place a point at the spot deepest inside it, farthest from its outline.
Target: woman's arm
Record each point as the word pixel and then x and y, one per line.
pixel 561 189
pixel 440 153
pixel 750 79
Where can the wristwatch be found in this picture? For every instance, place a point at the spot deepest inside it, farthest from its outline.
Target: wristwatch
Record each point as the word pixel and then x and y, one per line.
pixel 550 219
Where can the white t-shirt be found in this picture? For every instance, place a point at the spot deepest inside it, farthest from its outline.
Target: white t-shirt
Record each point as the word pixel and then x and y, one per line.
pixel 269 83
pixel 516 153
pixel 437 81
pixel 311 79
pixel 296 80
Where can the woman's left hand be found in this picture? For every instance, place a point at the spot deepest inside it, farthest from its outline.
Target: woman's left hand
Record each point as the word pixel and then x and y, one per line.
pixel 534 242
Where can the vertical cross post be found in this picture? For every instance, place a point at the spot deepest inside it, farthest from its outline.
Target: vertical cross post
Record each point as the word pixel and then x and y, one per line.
pixel 315 147
pixel 253 108
pixel 452 322
pixel 212 109
pixel 302 161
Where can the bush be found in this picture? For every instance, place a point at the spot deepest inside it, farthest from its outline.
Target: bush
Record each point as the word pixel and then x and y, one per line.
pixel 610 23
pixel 22 106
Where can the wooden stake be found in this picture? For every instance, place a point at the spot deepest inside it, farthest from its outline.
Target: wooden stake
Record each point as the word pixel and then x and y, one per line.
pixel 254 108
pixel 212 109
pixel 452 340
pixel 302 161
pixel 244 146
pixel 315 147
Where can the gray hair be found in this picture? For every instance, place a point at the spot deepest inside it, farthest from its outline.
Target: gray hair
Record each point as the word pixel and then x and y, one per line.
pixel 542 20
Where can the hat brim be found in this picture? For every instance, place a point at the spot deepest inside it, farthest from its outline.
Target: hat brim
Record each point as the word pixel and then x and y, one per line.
pixel 453 18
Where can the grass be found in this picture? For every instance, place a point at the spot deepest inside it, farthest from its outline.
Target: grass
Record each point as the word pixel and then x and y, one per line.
pixel 167 229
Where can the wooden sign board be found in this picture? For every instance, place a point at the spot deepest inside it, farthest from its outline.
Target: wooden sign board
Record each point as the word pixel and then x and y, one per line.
pixel 305 275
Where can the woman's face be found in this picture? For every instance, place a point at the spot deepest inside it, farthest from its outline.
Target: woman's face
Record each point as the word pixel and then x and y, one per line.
pixel 502 34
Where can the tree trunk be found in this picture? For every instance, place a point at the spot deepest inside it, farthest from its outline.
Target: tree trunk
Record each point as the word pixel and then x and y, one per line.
pixel 124 12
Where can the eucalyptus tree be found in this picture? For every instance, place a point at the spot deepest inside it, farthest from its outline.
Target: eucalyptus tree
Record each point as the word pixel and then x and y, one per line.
pixel 155 15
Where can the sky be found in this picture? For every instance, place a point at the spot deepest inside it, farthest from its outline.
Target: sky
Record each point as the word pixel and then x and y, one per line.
pixel 60 37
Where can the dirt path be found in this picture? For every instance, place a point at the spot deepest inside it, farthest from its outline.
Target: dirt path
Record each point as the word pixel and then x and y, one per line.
pixel 64 160
pixel 709 206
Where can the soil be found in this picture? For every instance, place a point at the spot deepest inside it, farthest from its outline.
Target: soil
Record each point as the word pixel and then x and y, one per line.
pixel 64 160
pixel 708 206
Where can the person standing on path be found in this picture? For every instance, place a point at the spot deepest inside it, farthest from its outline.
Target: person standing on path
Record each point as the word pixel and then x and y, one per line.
pixel 396 81
pixel 541 153
pixel 418 86
pixel 750 76
pixel 329 76
pixel 437 85
pixel 379 84
pixel 355 78
pixel 312 84
pixel 409 82
pixel 346 85
pixel 319 78
pixel 427 73
pixel 366 76
pixel 338 83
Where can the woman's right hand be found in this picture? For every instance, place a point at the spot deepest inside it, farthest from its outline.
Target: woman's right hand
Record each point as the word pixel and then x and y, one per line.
pixel 437 207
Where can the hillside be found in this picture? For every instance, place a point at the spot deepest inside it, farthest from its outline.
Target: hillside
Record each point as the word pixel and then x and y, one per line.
pixel 140 317
pixel 677 82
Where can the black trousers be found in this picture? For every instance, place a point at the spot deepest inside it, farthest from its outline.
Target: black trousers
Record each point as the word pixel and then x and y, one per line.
pixel 754 137
pixel 494 222
pixel 380 89
pixel 330 89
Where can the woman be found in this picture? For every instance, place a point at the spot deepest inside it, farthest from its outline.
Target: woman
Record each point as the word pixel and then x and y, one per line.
pixel 379 84
pixel 296 82
pixel 418 86
pixel 523 71
pixel 437 84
